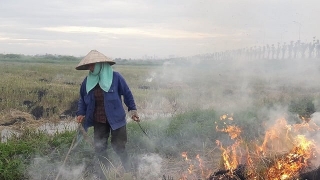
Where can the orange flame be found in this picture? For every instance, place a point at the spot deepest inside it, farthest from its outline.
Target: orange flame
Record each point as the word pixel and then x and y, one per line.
pixel 289 152
pixel 229 155
pixel 233 131
pixel 184 155
pixel 276 138
pixel 226 117
pixel 289 165
pixel 195 168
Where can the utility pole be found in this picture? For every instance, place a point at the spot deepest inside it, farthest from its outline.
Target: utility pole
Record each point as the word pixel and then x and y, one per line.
pixel 299 27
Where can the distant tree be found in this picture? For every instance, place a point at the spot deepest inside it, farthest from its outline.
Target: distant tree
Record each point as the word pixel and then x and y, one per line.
pixel 268 51
pixel 290 49
pixel 273 50
pixel 317 49
pixel 12 56
pixel 278 51
pixel 284 48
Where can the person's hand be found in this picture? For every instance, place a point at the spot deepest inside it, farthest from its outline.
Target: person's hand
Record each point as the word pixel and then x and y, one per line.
pixel 80 119
pixel 134 115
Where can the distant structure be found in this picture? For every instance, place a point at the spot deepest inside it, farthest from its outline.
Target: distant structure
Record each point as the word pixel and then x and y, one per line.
pixel 293 50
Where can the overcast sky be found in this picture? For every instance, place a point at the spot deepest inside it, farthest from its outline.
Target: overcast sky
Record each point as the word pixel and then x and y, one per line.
pixel 135 28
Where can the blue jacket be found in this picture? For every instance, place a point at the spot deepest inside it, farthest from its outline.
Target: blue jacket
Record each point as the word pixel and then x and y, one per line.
pixel 114 109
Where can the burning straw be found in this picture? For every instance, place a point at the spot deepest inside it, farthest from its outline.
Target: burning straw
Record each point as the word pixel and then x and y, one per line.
pixel 285 152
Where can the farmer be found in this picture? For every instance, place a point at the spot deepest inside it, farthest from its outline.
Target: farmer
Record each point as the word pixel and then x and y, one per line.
pixel 100 106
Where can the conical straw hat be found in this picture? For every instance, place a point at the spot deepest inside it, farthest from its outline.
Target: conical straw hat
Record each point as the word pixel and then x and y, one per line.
pixel 93 57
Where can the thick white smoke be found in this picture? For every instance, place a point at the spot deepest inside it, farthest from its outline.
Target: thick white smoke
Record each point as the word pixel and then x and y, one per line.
pixel 149 166
pixel 41 168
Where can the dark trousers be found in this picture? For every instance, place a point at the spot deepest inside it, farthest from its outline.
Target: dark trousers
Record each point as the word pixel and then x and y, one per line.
pixel 102 132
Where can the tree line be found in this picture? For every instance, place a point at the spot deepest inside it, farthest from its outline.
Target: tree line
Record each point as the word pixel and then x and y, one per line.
pixel 293 50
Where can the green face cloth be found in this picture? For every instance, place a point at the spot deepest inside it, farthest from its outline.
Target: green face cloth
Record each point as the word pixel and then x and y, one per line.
pixel 102 74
